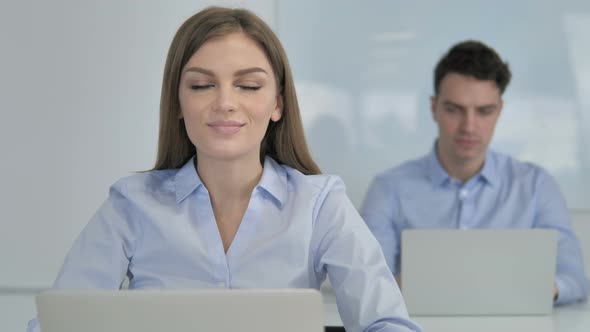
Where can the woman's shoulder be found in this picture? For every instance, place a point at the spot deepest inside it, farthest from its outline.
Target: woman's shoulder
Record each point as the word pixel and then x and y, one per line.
pixel 148 182
pixel 314 183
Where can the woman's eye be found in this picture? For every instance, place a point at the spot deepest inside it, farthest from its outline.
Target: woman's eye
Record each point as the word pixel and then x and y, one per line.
pixel 249 87
pixel 201 86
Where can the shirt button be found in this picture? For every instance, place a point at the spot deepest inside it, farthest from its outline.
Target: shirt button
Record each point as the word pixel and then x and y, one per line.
pixel 463 193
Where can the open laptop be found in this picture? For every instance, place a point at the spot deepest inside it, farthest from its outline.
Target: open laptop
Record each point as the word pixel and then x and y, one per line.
pixel 478 272
pixel 291 310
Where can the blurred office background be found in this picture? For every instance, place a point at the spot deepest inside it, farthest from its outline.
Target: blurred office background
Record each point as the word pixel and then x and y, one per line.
pixel 80 85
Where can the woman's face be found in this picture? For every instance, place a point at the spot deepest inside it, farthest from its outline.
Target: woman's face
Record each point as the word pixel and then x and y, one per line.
pixel 228 95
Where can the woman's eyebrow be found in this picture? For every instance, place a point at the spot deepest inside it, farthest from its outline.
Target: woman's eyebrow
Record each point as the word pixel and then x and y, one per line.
pixel 242 72
pixel 199 70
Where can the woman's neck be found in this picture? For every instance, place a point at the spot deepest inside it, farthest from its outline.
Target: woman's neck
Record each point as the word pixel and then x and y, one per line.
pixel 229 180
pixel 230 184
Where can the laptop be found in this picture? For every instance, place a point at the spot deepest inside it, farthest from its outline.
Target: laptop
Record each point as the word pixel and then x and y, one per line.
pixel 478 272
pixel 210 310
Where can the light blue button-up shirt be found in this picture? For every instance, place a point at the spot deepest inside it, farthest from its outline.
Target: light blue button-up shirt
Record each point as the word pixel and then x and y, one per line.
pixel 506 193
pixel 158 227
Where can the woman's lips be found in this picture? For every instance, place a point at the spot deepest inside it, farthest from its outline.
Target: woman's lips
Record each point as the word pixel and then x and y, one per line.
pixel 225 127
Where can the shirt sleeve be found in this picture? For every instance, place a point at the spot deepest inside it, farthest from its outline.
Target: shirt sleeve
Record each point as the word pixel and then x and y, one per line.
pixel 100 256
pixel 379 211
pixel 367 295
pixel 552 213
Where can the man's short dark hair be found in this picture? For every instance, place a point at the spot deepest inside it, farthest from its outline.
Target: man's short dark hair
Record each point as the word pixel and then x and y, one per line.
pixel 476 59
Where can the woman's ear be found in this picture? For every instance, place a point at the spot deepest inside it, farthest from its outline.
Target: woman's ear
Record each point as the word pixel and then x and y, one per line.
pixel 277 113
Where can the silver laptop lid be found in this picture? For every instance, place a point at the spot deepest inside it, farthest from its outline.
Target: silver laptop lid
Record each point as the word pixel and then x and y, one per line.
pixel 478 272
pixel 290 310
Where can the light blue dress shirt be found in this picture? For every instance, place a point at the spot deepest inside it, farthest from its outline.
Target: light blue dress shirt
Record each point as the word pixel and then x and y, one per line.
pixel 158 227
pixel 506 193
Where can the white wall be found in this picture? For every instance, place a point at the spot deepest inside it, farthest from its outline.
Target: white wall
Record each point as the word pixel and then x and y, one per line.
pixel 79 96
pixel 80 84
pixel 364 76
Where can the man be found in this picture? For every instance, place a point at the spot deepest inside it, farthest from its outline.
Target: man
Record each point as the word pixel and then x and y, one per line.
pixel 463 184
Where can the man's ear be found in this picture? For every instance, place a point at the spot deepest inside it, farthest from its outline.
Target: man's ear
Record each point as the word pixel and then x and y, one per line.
pixel 433 107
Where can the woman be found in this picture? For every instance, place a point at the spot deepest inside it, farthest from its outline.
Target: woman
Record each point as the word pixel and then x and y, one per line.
pixel 235 199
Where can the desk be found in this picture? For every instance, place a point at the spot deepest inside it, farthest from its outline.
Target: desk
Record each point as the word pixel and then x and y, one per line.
pixel 571 318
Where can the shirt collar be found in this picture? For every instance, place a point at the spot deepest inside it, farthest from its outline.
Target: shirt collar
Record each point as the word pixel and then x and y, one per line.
pixel 273 180
pixel 438 175
pixel 186 180
pixel 489 171
pixel 436 172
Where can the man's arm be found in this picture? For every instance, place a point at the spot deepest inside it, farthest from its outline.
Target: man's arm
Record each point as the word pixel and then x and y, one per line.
pixel 551 212
pixel 378 210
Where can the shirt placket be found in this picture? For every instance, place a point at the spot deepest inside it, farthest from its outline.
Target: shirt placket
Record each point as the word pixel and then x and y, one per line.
pixel 467 201
pixel 220 268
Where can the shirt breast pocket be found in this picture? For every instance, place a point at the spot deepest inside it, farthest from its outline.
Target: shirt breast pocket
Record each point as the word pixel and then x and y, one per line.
pixel 437 211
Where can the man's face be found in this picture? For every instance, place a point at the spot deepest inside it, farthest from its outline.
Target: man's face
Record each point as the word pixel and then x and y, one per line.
pixel 466 111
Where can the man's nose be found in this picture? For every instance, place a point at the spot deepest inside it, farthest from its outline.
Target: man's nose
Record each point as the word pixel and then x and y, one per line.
pixel 468 122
